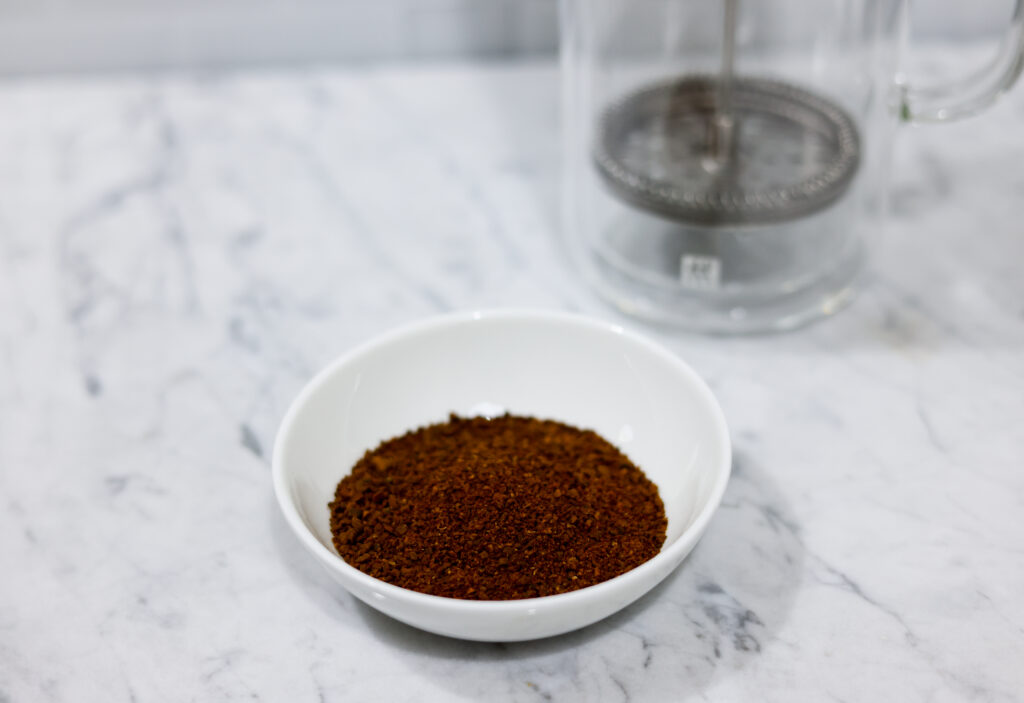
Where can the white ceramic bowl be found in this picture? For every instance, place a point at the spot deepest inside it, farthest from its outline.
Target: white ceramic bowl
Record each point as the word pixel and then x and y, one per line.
pixel 584 372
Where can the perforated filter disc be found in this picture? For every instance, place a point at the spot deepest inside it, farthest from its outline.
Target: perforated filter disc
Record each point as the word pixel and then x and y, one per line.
pixel 793 152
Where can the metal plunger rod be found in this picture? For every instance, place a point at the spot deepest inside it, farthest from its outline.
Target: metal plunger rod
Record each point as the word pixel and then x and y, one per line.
pixel 721 132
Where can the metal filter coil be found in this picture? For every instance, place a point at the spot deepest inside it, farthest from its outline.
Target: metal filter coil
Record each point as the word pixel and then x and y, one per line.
pixel 794 152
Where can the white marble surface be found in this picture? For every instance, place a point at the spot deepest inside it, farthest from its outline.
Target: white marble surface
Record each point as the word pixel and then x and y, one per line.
pixel 178 255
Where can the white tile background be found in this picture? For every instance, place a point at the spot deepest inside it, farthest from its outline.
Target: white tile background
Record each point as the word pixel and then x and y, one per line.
pixel 81 35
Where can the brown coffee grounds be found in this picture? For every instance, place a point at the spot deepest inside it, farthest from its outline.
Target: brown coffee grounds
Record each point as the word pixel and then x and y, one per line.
pixel 511 507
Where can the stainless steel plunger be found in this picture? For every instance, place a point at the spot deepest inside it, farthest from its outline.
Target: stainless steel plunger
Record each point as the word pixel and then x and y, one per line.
pixel 727 150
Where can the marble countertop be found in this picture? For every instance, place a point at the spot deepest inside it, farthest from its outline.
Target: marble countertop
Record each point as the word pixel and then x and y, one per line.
pixel 180 253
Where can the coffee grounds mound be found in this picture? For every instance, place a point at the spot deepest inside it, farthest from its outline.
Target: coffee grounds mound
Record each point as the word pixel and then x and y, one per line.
pixel 496 509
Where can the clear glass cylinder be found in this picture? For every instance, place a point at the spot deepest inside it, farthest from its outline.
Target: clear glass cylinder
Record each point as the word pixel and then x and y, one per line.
pixel 726 161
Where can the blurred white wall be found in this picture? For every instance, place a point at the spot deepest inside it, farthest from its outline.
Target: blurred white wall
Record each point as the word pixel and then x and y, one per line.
pixel 83 35
pixel 76 35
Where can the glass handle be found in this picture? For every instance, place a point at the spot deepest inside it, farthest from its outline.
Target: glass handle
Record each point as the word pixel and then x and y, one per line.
pixel 976 92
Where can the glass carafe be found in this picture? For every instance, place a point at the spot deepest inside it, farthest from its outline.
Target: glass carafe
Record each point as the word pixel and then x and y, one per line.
pixel 726 160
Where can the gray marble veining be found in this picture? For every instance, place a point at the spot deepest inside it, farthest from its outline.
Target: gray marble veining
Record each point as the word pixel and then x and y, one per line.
pixel 179 254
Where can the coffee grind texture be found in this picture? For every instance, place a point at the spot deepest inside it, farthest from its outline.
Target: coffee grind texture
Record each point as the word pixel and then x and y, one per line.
pixel 496 509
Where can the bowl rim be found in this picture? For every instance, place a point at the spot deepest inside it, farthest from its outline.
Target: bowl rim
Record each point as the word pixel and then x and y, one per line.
pixel 674 552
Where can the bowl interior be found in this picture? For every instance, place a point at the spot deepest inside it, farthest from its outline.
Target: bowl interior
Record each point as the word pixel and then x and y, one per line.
pixel 588 374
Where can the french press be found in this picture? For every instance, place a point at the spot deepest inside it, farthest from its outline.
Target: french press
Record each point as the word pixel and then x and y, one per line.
pixel 726 160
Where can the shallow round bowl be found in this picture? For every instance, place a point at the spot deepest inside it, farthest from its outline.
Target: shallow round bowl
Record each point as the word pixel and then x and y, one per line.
pixel 584 372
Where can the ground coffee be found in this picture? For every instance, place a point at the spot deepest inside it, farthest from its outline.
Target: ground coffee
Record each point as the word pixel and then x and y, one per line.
pixel 495 509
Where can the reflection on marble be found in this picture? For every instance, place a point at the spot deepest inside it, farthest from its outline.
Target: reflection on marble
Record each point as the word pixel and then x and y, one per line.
pixel 178 254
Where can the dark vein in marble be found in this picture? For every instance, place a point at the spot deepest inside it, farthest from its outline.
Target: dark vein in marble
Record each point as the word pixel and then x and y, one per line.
pixel 250 441
pixel 174 234
pixel 733 619
pixel 648 650
pixel 929 428
pixel 221 663
pixel 247 238
pixel 93 386
pixel 241 337
pixel 544 695
pixel 846 583
pixel 115 485
pixel 1016 626
pixel 622 687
